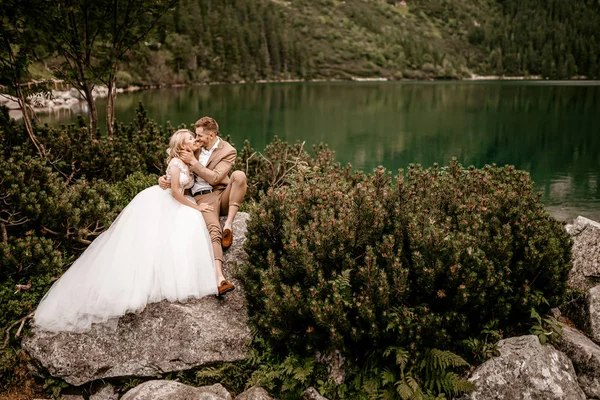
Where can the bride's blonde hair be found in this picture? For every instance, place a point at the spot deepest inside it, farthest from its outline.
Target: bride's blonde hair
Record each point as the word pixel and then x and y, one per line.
pixel 176 144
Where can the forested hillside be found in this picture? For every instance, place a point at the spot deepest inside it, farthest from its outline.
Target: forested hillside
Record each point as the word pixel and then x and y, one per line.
pixel 246 40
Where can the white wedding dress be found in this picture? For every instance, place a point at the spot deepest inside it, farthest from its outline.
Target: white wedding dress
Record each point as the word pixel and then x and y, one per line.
pixel 156 249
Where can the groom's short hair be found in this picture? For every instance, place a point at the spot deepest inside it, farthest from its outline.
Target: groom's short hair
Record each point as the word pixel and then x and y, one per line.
pixel 208 124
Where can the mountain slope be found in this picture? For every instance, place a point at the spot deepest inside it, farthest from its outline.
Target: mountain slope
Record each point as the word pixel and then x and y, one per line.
pixel 247 40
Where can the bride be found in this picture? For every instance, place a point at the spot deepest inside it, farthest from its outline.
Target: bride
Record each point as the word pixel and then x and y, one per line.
pixel 158 248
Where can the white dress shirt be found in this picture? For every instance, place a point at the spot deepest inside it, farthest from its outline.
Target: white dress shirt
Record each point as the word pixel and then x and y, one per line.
pixel 201 184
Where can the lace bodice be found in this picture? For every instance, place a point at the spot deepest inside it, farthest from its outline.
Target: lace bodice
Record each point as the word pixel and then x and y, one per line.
pixel 186 179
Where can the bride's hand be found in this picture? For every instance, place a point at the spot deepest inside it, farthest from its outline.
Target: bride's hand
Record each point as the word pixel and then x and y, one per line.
pixel 204 207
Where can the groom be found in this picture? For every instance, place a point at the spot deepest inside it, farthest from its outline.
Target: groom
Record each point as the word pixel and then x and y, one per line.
pixel 211 164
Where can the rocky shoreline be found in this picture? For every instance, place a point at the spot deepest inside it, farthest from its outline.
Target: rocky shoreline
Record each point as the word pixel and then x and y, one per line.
pixel 57 100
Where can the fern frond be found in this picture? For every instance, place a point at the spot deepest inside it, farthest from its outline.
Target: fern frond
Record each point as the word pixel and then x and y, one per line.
pixel 442 359
pixel 404 390
pixel 418 395
pixel 388 376
pixel 412 383
pixel 463 386
pixel 448 382
pixel 303 371
pixel 345 277
pixel 401 355
pixel 212 372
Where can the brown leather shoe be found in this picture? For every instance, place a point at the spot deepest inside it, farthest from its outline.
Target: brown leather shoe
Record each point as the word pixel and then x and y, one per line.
pixel 227 239
pixel 225 286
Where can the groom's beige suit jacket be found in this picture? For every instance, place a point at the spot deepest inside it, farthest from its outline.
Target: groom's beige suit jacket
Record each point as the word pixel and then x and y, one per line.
pixel 216 172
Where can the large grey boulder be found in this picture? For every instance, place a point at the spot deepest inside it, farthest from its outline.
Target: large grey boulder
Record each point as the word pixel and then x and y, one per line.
pixel 171 390
pixel 585 313
pixel 254 393
pixel 585 356
pixel 525 369
pixel 586 253
pixel 164 337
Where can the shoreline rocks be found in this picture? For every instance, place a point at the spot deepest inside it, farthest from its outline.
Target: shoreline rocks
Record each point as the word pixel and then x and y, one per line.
pixel 585 273
pixel 585 356
pixel 585 313
pixel 526 369
pixel 171 390
pixel 57 100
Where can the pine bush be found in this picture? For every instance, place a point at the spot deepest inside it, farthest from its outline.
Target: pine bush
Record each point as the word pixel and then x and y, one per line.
pixel 362 263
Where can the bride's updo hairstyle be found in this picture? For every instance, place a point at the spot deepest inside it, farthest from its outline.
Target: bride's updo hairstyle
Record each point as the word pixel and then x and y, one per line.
pixel 176 144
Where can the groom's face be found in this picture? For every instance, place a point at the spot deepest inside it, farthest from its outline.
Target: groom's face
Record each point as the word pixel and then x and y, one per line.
pixel 203 137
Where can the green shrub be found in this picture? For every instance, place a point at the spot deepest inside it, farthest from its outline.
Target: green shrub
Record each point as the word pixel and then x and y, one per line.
pixel 52 208
pixel 137 147
pixel 356 262
pixel 277 164
pixel 124 79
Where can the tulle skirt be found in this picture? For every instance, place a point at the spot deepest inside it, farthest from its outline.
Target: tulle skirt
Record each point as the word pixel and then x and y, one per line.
pixel 156 249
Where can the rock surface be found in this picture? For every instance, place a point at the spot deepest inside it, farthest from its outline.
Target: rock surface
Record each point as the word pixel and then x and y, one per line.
pixel 164 337
pixel 106 392
pixel 585 356
pixel 585 312
pixel 336 364
pixel 526 370
pixel 171 390
pixel 254 393
pixel 236 254
pixel 586 253
pixel 312 394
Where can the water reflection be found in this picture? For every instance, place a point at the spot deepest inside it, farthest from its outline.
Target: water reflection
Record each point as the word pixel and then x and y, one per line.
pixel 551 130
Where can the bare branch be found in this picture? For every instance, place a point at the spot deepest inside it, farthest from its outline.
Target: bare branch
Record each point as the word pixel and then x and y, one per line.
pixel 23 287
pixel 248 159
pixel 21 322
pixel 8 222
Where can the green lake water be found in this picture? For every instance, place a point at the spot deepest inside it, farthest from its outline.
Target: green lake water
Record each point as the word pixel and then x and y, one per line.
pixel 551 129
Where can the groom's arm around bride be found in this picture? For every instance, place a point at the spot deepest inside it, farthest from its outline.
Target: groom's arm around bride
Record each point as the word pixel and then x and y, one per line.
pixel 211 165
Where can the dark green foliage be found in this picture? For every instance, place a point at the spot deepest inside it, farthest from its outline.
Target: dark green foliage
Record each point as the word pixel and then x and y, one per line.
pixel 552 38
pixel 545 328
pixel 51 209
pixel 200 41
pixel 245 40
pixel 355 261
pixel 279 161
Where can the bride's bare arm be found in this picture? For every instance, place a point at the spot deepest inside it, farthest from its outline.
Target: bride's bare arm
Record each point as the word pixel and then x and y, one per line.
pixel 177 195
pixel 163 182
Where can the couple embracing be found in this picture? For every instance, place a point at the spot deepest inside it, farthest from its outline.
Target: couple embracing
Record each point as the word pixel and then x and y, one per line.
pixel 166 244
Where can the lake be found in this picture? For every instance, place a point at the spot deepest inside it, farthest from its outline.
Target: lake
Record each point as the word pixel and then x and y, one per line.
pixel 551 129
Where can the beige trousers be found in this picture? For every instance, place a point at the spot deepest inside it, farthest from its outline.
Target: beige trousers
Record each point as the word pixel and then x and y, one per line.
pixel 221 200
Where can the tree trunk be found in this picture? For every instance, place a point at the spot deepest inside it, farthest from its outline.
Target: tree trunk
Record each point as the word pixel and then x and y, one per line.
pixel 27 119
pixel 89 98
pixel 110 103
